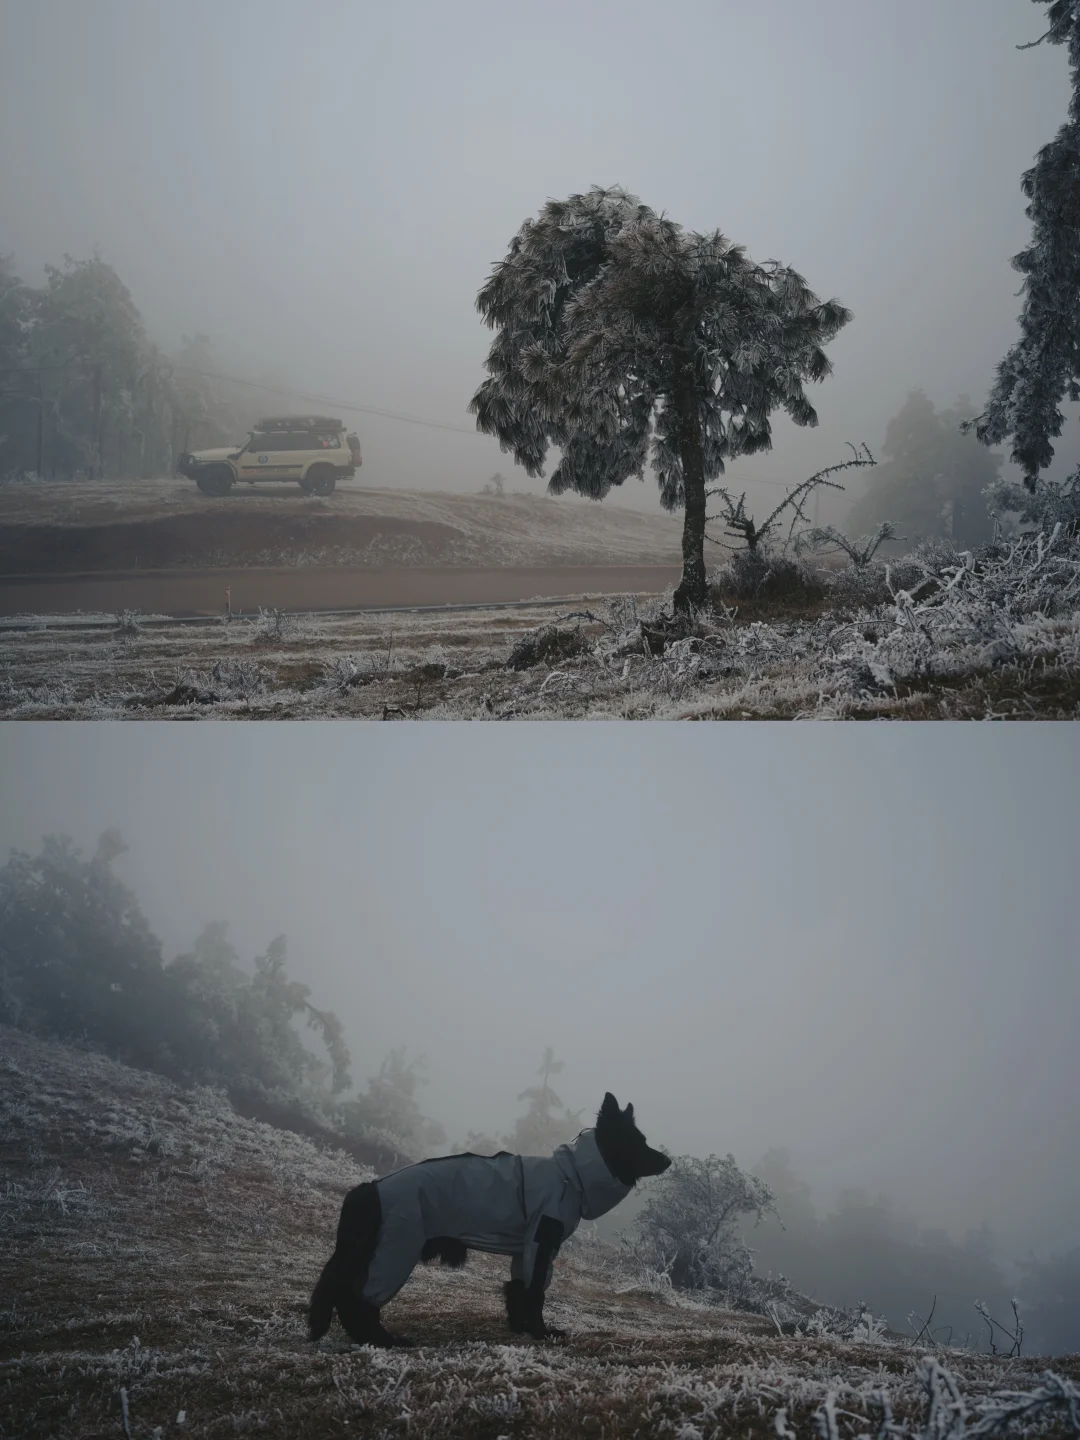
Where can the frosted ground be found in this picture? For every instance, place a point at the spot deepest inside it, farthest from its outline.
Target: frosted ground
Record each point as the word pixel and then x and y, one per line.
pixel 158 1251
pixel 939 635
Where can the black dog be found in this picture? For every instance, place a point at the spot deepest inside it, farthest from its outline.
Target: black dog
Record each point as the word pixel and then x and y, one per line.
pixel 518 1205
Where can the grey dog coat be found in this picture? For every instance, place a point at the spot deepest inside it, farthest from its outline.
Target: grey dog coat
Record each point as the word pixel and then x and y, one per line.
pixel 495 1203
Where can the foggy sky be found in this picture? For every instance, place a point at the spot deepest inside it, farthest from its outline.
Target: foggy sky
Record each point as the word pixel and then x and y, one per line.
pixel 856 942
pixel 877 148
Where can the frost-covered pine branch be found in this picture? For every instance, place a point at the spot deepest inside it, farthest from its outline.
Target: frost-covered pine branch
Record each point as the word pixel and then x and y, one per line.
pixel 1043 367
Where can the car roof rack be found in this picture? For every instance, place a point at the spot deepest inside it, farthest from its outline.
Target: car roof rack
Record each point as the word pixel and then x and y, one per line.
pixel 299 422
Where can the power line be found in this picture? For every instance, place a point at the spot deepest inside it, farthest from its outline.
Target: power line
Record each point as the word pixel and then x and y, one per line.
pixel 33 369
pixel 347 405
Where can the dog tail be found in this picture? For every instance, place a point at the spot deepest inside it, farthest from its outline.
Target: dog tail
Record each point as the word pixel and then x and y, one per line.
pixel 324 1298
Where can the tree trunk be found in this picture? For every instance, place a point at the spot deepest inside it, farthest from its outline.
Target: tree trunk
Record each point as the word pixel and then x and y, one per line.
pixel 40 429
pixel 692 592
pixel 99 465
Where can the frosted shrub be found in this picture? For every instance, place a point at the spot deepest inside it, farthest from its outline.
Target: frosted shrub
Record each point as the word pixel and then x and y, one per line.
pixel 687 1229
pixel 275 625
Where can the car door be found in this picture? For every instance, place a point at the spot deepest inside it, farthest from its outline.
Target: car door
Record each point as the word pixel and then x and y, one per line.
pixel 265 456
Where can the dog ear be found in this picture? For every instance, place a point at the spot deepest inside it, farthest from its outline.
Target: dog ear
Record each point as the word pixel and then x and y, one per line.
pixel 610 1108
pixel 629 1113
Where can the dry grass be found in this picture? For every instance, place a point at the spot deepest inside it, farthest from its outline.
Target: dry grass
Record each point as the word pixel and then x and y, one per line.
pixel 156 1249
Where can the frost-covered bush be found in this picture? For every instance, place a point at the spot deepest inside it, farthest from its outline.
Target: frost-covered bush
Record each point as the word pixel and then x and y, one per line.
pixel 688 1226
pixel 274 625
pixel 766 576
pixel 547 645
pixel 346 672
pixel 128 623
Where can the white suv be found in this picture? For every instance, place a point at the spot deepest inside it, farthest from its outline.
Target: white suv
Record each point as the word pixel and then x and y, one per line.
pixel 313 450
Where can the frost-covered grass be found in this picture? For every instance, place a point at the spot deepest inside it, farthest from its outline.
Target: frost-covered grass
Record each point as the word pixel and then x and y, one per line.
pixel 939 635
pixel 157 1251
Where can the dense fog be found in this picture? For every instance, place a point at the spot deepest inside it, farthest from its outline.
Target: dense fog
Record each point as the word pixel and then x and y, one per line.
pixel 322 193
pixel 857 947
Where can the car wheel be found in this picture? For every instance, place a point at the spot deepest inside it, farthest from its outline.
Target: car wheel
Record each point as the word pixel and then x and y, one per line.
pixel 321 479
pixel 215 480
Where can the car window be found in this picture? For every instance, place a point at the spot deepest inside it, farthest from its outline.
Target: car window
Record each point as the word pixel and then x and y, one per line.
pixel 328 442
pixel 285 440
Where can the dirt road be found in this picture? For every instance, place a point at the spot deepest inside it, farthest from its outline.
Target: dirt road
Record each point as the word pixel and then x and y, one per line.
pixel 203 592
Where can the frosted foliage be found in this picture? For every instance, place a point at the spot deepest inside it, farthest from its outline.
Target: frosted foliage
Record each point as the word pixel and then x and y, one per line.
pixel 606 313
pixel 1040 370
pixel 687 1229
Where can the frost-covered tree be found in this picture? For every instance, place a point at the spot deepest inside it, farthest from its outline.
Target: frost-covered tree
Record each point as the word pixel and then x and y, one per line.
pixel 246 1024
pixel 77 955
pixel 82 389
pixel 933 480
pixel 1043 366
pixel 20 400
pixel 78 958
pixel 547 1122
pixel 619 334
pixel 388 1115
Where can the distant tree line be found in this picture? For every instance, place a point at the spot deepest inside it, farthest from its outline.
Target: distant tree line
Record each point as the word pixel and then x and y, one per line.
pixel 83 391
pixel 79 961
pixel 756 1242
pixel 864 1251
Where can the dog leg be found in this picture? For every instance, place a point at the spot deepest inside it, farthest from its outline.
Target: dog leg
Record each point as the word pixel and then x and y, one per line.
pixel 360 1321
pixel 525 1312
pixel 525 1303
pixel 448 1251
pixel 340 1286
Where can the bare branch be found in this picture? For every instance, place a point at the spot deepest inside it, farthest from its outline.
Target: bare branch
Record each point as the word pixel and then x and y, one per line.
pixel 925 1326
pixel 743 526
pixel 860 551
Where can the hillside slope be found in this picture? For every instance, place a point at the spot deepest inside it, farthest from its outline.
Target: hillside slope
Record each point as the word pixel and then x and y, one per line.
pixel 64 527
pixel 157 1253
